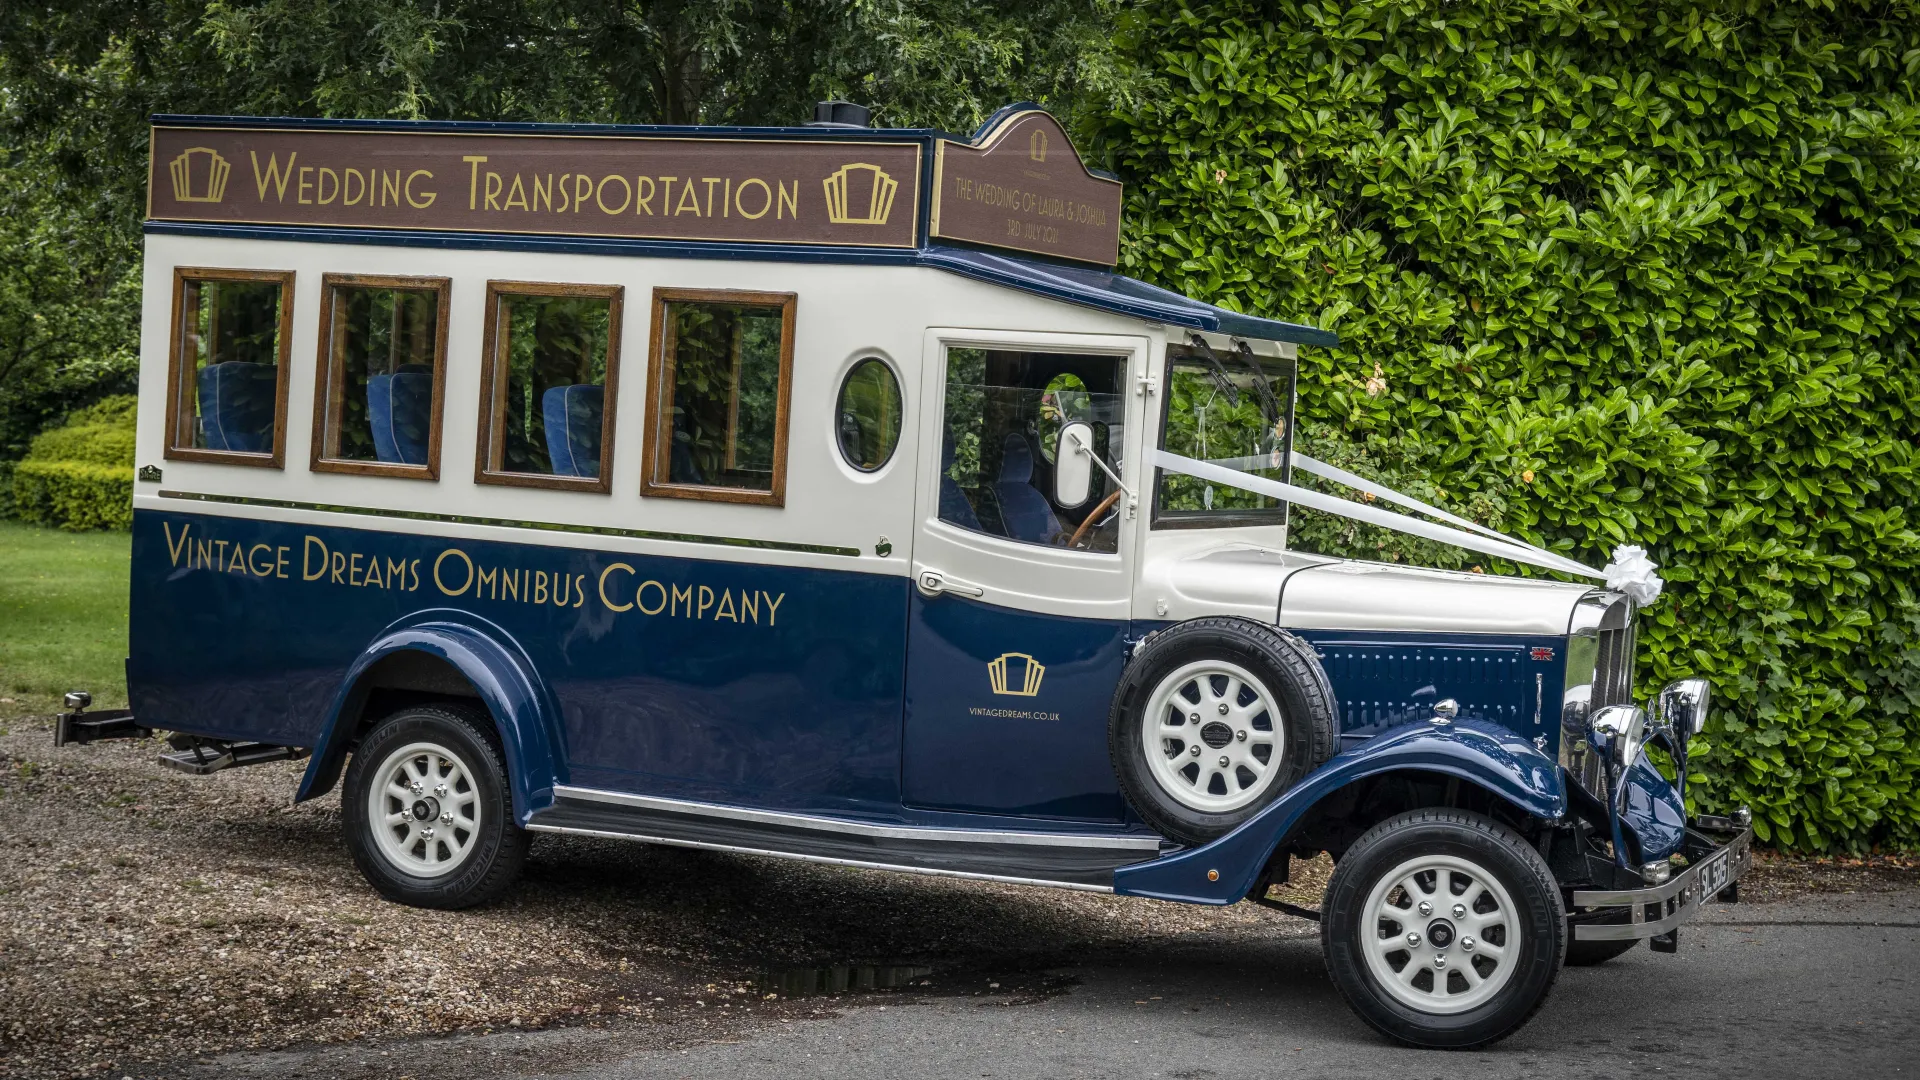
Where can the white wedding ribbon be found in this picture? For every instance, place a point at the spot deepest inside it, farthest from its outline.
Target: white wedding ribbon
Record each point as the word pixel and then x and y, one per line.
pixel 1480 539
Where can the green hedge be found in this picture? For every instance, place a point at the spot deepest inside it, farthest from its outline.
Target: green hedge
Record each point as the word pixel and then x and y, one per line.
pixel 1632 272
pixel 80 476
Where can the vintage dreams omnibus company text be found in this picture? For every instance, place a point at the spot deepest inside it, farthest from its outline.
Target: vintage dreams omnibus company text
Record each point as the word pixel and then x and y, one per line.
pixel 618 587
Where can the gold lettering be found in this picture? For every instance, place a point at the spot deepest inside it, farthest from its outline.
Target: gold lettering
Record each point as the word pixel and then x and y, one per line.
pixel 510 580
pixel 301 192
pixel 726 199
pixel 579 590
pixel 473 182
pixel 611 606
pixel 390 188
pixel 626 195
pixel 539 586
pixel 643 195
pixel 427 197
pixel 280 561
pixel 307 573
pixel 320 187
pixel 773 606
pixel 750 607
pixel 372 577
pixel 219 554
pixel 688 201
pixel 337 567
pixel 679 595
pixel 706 600
pixel 173 549
pixel 517 192
pixel 766 199
pixel 725 610
pixel 414 569
pixel 493 191
pixel 640 598
pixel 202 553
pixel 396 572
pixel 273 175
pixel 353 569
pixel 464 585
pixel 543 194
pixel 582 184
pixel 347 177
pixel 666 195
pixel 235 563
pixel 489 577
pixel 789 202
pixel 253 567
pixel 710 181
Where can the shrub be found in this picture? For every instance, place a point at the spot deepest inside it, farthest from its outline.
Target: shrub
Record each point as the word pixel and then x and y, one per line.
pixel 1642 271
pixel 80 476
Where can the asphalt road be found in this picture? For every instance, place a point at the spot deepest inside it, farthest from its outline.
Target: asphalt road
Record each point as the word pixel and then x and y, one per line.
pixel 1820 987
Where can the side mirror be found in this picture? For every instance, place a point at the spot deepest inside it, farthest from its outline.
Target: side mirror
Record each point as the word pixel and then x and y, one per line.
pixel 1073 465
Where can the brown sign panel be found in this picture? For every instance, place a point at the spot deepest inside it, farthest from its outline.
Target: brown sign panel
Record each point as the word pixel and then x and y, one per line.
pixel 1024 187
pixel 861 193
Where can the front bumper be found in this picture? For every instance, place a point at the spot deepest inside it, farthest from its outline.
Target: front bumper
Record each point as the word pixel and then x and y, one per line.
pixel 1719 852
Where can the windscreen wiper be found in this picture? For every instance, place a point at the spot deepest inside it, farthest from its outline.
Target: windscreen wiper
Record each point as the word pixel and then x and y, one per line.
pixel 1269 405
pixel 1219 371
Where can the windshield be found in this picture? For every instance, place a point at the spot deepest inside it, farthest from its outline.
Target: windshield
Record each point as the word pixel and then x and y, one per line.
pixel 1234 409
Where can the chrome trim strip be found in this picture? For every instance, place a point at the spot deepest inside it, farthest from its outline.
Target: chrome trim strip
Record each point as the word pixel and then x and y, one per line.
pixel 1683 886
pixel 548 526
pixel 859 828
pixel 738 850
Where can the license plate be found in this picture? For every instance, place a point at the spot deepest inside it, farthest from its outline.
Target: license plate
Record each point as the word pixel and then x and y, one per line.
pixel 1714 873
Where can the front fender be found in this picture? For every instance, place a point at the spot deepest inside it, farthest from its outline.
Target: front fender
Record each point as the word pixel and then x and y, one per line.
pixel 1487 755
pixel 500 673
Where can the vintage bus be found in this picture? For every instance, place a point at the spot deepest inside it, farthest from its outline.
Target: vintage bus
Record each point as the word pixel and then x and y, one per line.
pixel 823 492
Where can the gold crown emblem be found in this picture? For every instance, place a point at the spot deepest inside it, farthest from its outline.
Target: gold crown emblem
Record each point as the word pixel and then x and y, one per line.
pixel 215 170
pixel 879 192
pixel 1027 681
pixel 1037 145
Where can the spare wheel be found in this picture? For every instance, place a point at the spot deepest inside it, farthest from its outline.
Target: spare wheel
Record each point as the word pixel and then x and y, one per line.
pixel 1213 720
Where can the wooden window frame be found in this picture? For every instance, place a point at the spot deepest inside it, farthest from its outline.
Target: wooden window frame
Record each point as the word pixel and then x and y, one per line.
pixel 490 434
pixel 660 371
pixel 179 386
pixel 329 364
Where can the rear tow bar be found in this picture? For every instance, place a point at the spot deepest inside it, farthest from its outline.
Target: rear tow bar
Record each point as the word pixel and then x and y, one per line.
pixel 194 755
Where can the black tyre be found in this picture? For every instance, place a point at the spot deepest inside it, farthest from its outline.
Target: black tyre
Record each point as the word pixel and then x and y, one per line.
pixel 427 811
pixel 1443 929
pixel 1213 720
pixel 1589 953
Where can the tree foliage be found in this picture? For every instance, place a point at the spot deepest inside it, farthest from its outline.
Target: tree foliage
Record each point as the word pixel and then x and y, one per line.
pixel 1642 271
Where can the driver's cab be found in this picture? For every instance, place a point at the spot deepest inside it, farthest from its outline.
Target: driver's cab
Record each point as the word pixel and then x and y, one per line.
pixel 1039 521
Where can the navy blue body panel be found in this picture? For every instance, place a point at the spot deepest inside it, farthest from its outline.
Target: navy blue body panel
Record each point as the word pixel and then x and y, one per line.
pixel 737 682
pixel 1385 680
pixel 1652 811
pixel 1479 753
pixel 1031 742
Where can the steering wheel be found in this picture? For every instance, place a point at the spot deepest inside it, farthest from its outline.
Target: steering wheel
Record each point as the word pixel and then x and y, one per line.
pixel 1105 505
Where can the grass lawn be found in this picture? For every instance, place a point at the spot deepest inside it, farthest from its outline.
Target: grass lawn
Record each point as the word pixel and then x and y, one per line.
pixel 63 617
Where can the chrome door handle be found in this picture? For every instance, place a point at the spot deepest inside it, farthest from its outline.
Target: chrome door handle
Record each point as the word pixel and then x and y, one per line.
pixel 932 583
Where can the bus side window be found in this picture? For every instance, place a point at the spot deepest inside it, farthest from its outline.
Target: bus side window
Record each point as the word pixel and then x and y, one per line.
pixel 547 381
pixel 376 401
pixel 227 379
pixel 717 396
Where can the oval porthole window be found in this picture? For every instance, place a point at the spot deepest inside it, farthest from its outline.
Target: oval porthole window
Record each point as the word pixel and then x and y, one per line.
pixel 868 418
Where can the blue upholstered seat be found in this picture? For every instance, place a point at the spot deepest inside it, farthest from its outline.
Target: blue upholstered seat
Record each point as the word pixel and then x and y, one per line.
pixel 954 507
pixel 236 406
pixel 571 415
pixel 1027 514
pixel 400 410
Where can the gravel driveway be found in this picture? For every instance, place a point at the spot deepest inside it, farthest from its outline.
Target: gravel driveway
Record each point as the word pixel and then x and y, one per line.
pixel 150 920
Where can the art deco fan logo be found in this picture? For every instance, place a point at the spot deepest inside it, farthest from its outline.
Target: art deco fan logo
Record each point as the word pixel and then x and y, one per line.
pixel 1016 674
pixel 1037 145
pixel 860 194
pixel 199 175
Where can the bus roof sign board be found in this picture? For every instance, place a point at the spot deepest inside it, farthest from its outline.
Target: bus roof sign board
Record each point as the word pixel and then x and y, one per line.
pixel 740 190
pixel 1021 184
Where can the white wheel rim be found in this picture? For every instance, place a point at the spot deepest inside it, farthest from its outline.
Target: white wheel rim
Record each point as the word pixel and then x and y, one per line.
pixel 1482 934
pixel 1212 736
pixel 424 810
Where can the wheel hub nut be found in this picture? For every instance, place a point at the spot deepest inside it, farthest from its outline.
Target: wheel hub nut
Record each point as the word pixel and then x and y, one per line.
pixel 1413 941
pixel 1195 717
pixel 440 790
pixel 1466 943
pixel 1440 961
pixel 1223 708
pixel 426 834
pixel 446 817
pixel 1223 761
pixel 1242 736
pixel 1426 908
pixel 1459 911
pixel 417 788
pixel 1196 751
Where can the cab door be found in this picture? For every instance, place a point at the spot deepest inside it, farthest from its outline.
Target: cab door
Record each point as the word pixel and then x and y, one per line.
pixel 1018 620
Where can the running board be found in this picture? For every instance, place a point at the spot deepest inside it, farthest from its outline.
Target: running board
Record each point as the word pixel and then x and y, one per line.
pixel 1060 860
pixel 196 756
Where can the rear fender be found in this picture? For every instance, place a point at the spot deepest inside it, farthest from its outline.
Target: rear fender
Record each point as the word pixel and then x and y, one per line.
pixel 501 675
pixel 1486 755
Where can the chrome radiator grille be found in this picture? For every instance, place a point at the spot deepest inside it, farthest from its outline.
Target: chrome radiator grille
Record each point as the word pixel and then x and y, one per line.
pixel 1613 659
